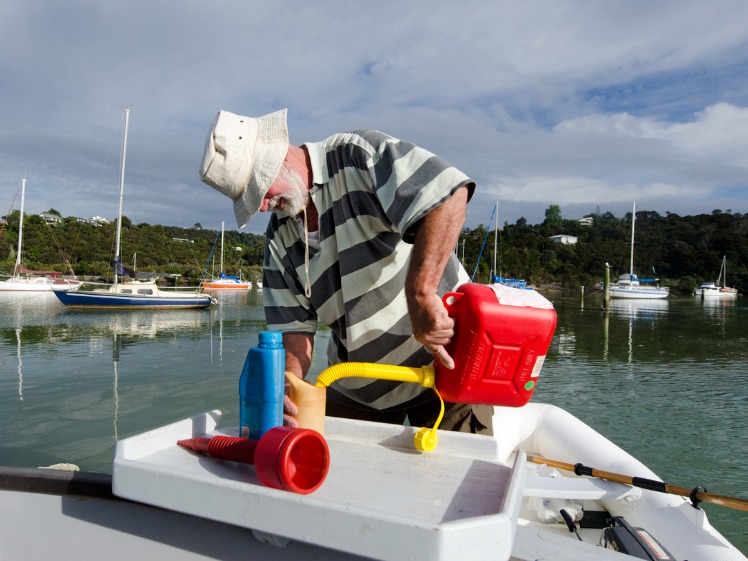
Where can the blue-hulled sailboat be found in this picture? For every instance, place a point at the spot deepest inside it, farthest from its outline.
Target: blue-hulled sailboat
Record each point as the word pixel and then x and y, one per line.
pixel 130 295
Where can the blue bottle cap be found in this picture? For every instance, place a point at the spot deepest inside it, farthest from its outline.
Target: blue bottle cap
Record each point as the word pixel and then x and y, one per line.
pixel 271 338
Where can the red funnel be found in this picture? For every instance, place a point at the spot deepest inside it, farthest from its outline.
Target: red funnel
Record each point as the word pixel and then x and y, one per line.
pixel 285 458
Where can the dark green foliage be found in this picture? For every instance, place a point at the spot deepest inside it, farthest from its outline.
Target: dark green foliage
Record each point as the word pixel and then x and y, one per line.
pixel 90 249
pixel 681 251
pixel 684 251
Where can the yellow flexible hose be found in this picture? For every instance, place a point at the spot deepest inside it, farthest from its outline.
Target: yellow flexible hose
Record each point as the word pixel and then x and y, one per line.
pixel 423 375
pixel 425 439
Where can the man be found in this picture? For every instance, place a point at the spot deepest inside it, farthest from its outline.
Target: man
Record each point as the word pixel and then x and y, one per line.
pixel 361 238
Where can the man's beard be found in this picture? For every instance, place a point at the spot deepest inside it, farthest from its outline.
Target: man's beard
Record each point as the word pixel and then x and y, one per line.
pixel 294 199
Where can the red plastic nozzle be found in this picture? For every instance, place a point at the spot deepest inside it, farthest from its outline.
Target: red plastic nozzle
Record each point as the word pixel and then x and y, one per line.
pixel 285 458
pixel 199 444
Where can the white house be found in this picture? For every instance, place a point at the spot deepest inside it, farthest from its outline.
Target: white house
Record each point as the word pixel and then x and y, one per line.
pixel 586 221
pixel 564 239
pixel 97 220
pixel 50 218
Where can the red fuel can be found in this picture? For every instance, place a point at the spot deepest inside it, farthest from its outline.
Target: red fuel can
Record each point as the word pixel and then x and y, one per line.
pixel 502 335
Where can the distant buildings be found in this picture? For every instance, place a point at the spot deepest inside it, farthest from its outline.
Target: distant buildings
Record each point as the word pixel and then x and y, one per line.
pixel 96 221
pixel 50 218
pixel 564 239
pixel 572 240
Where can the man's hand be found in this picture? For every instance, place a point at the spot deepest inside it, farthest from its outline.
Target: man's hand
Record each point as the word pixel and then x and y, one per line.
pixel 298 348
pixel 432 327
pixel 290 411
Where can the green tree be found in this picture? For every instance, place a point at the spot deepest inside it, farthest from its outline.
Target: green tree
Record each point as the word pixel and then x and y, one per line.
pixel 553 215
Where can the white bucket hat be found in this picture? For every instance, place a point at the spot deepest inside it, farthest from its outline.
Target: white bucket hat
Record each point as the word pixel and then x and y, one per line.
pixel 243 156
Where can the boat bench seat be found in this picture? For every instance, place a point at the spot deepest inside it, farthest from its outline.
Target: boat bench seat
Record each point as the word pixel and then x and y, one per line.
pixel 583 488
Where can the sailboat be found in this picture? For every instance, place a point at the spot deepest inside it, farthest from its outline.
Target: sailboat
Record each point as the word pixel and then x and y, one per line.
pixel 128 295
pixel 26 280
pixel 720 288
pixel 495 277
pixel 723 288
pixel 629 285
pixel 224 281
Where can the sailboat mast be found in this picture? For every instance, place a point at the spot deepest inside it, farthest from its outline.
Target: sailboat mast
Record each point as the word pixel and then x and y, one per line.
pixel 495 242
pixel 20 228
pixel 633 221
pixel 117 257
pixel 221 271
pixel 722 278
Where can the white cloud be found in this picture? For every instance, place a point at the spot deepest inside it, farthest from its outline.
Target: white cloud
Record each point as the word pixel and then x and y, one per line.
pixel 543 102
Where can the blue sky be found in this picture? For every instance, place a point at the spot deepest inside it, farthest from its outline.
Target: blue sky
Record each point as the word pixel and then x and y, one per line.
pixel 587 105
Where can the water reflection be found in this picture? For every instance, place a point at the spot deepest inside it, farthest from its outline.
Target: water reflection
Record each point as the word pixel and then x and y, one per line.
pixel 717 311
pixel 38 328
pixel 16 307
pixel 646 310
pixel 20 363
pixel 116 348
pixel 638 309
pixel 16 310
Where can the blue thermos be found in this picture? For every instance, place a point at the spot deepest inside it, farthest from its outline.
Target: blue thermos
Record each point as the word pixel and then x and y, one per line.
pixel 261 386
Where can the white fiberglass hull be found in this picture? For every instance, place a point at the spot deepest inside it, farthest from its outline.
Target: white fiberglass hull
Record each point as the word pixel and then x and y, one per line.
pixel 81 517
pixel 226 285
pixel 639 292
pixel 37 284
pixel 715 292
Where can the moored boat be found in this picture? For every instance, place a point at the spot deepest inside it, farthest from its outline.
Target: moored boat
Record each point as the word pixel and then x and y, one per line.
pixel 708 289
pixel 719 288
pixel 224 281
pixel 474 497
pixel 126 296
pixel 130 295
pixel 629 285
pixel 25 280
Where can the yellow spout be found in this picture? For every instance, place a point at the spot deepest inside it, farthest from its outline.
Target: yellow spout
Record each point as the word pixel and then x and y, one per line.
pixel 423 375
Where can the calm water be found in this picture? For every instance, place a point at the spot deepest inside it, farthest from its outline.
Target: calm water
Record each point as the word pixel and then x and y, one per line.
pixel 667 381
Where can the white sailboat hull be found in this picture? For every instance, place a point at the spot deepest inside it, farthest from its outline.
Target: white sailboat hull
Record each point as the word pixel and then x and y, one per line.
pixel 38 284
pixel 641 292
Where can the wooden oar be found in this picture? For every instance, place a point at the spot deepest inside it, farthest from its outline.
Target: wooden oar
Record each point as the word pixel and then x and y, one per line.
pixel 697 494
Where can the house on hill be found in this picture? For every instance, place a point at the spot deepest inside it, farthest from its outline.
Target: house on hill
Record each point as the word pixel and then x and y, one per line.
pixel 564 239
pixel 50 218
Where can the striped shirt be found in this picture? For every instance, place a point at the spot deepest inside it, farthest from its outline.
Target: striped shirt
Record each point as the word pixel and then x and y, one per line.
pixel 370 191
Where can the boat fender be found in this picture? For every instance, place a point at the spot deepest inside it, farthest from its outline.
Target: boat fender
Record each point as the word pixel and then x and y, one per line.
pixel 637 542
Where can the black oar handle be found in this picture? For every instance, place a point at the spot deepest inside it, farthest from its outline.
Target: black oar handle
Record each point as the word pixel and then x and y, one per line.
pixel 642 482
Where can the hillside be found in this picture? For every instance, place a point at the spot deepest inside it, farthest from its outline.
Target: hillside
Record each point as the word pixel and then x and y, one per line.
pixel 90 249
pixel 682 251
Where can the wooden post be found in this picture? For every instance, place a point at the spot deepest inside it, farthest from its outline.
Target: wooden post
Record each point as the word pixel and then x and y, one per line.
pixel 606 297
